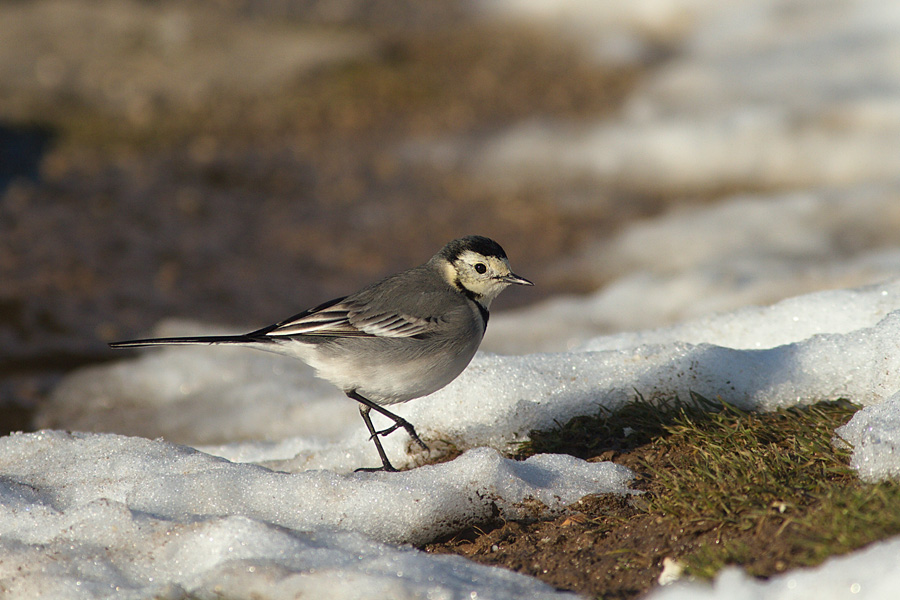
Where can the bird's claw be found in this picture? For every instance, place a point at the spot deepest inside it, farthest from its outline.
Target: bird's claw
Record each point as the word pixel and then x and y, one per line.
pixel 409 429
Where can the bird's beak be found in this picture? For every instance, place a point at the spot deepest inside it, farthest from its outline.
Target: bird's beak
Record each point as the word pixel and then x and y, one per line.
pixel 513 278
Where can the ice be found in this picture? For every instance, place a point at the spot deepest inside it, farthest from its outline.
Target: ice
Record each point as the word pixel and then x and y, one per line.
pixel 103 515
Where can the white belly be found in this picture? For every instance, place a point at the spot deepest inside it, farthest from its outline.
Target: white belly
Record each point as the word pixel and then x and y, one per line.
pixel 389 382
pixel 388 375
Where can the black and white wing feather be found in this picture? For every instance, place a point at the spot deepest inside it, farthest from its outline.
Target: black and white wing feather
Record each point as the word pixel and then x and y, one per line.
pixel 345 318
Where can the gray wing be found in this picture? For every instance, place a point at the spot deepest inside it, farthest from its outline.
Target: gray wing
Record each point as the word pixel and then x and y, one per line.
pixel 414 303
pixel 346 318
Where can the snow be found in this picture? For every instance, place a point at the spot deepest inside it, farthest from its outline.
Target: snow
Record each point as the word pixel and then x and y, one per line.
pixel 95 515
pixel 613 32
pixel 131 513
pixel 76 469
pixel 763 94
pixel 794 102
pixel 231 473
pixel 874 435
pixel 746 250
pixel 872 573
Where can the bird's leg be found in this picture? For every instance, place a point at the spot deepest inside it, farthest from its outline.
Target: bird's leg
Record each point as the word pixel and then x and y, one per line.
pixel 385 463
pixel 398 420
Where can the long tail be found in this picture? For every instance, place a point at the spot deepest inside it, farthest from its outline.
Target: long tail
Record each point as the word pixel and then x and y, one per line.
pixel 172 341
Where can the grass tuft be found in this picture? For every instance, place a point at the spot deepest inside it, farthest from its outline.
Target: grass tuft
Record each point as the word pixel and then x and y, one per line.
pixel 738 467
pixel 767 491
pixel 610 431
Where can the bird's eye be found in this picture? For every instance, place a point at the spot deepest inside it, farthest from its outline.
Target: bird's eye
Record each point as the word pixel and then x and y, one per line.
pixel 480 268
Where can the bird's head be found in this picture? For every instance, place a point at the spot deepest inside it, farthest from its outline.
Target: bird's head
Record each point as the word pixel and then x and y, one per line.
pixel 478 267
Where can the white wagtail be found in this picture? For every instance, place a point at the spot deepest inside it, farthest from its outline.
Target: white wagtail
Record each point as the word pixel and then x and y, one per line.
pixel 401 338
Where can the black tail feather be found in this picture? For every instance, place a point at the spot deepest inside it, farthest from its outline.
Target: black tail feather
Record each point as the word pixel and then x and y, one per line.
pixel 174 341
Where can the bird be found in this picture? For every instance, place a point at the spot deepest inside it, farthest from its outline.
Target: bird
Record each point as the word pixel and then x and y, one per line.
pixel 400 338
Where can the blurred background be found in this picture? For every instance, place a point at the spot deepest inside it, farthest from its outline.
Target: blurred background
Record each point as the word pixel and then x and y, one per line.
pixel 236 161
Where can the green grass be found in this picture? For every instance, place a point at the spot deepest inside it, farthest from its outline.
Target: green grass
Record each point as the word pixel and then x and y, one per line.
pixel 767 491
pixel 737 467
pixel 635 424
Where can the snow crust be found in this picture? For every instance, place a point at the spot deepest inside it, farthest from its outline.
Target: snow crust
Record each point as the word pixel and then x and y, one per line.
pixel 874 435
pixel 872 573
pixel 103 515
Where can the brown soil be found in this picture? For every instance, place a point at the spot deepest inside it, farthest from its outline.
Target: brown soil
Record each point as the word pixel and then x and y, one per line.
pixel 610 546
pixel 615 546
pixel 605 546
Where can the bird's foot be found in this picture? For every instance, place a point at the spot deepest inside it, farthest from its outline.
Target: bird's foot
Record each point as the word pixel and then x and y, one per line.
pixel 386 467
pixel 409 429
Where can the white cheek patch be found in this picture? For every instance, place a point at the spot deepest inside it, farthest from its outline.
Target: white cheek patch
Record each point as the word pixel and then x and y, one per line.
pixel 449 273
